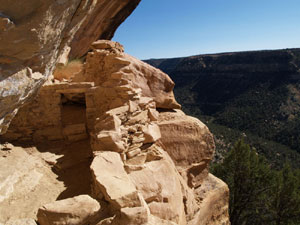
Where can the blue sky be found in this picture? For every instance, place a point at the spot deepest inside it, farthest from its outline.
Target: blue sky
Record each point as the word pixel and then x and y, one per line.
pixel 175 28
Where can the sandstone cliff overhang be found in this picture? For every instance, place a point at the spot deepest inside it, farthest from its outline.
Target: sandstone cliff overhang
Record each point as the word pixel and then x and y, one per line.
pixel 35 34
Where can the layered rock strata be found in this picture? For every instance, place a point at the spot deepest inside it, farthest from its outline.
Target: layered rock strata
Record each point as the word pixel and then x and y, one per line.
pixel 149 160
pixel 34 36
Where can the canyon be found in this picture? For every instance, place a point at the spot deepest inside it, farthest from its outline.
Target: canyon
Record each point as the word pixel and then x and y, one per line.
pixel 90 134
pixel 254 94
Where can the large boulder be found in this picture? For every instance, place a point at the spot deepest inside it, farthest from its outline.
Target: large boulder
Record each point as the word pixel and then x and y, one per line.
pixel 189 143
pixel 35 34
pixel 159 184
pixel 214 195
pixel 80 210
pixel 112 182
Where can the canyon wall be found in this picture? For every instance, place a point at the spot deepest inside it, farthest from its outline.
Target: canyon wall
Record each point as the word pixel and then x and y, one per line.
pixel 214 80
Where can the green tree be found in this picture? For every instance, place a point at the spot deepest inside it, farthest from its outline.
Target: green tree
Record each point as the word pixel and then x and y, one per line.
pixel 284 205
pixel 250 180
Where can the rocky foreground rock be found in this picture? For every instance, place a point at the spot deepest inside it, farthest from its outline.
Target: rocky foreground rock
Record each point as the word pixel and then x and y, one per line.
pixel 147 161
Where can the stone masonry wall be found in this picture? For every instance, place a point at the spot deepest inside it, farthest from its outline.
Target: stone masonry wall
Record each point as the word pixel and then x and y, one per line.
pixel 150 160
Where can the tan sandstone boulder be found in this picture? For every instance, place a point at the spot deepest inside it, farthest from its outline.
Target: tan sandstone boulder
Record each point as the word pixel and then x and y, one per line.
pixel 214 205
pixel 151 133
pixel 189 143
pixel 134 216
pixel 159 184
pixel 111 181
pixel 154 83
pixel 80 210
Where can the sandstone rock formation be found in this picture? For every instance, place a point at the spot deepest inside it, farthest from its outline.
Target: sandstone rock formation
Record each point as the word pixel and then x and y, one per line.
pixel 193 151
pixel 148 161
pixel 35 34
pixel 80 210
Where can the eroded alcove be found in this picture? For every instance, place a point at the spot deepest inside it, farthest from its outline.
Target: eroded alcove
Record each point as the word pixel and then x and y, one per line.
pixel 50 138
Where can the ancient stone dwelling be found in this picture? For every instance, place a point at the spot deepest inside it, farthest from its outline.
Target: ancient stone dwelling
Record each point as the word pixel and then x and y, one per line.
pixel 103 141
pixel 115 149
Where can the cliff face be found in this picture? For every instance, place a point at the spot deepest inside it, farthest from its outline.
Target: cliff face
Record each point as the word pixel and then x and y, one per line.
pixel 34 35
pixel 115 136
pixel 216 79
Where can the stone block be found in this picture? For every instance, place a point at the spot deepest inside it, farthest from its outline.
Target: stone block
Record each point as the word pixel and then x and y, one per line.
pixel 111 180
pixel 80 210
